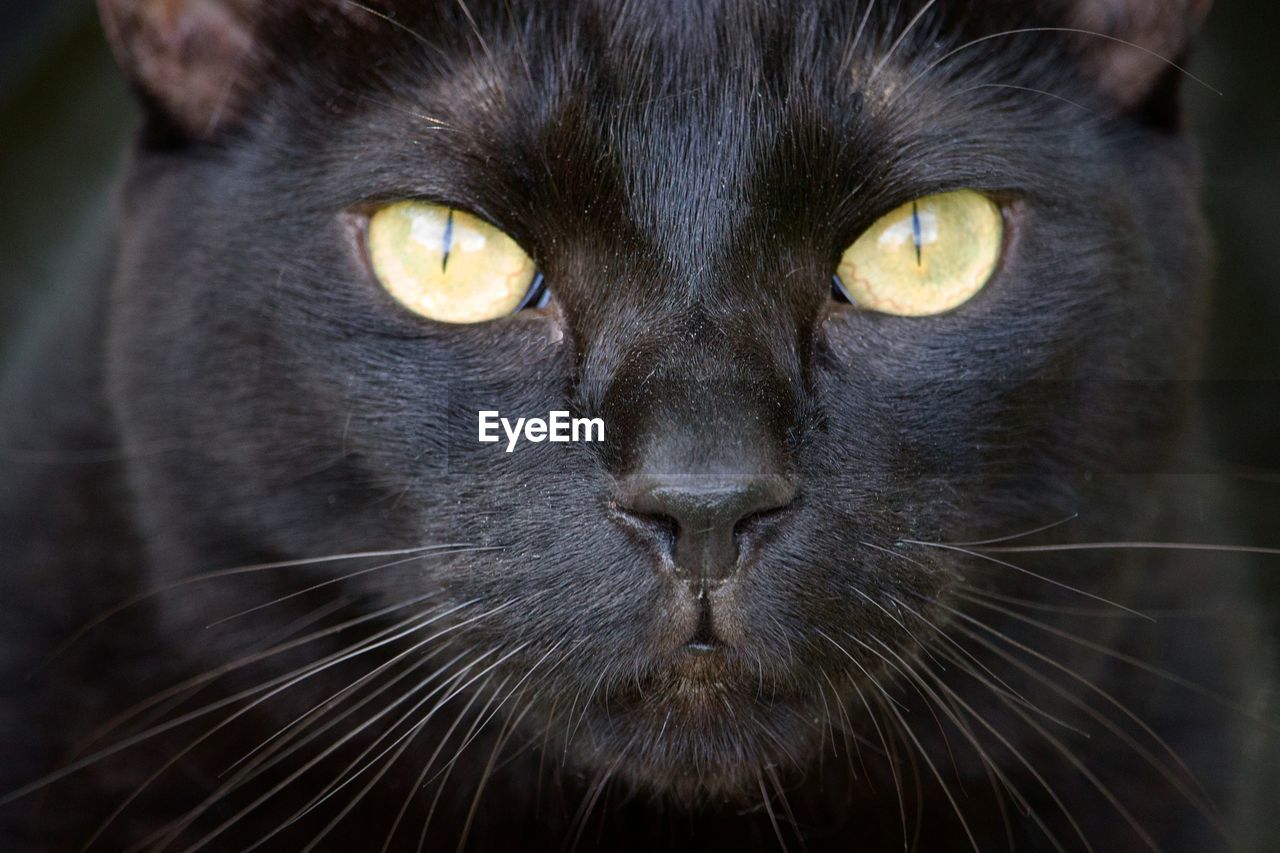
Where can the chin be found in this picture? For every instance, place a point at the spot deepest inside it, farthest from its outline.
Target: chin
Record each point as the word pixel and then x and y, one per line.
pixel 696 733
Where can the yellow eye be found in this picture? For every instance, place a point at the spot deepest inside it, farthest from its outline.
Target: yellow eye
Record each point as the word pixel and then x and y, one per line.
pixel 926 257
pixel 448 265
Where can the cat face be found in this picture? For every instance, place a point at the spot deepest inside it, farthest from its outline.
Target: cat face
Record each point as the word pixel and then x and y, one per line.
pixel 692 591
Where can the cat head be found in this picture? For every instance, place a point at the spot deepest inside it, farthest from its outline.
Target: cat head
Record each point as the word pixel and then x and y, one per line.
pixel 686 179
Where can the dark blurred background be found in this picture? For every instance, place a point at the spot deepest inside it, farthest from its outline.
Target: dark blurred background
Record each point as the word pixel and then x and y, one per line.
pixel 66 118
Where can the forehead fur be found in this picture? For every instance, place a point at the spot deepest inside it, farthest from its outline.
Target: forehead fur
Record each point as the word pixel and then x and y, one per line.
pixel 203 64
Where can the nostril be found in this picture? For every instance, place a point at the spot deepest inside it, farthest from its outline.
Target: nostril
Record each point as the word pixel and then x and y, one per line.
pixel 745 523
pixel 748 523
pixel 663 529
pixel 766 496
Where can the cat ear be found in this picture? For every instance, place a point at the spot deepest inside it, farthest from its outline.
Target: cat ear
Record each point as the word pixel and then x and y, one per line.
pixel 1140 38
pixel 192 60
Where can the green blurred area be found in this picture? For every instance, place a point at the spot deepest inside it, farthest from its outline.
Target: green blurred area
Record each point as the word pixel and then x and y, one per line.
pixel 65 120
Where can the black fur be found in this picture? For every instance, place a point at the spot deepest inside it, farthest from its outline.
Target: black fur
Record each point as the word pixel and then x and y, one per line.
pixel 238 391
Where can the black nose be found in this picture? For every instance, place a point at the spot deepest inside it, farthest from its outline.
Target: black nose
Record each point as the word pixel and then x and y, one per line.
pixel 707 514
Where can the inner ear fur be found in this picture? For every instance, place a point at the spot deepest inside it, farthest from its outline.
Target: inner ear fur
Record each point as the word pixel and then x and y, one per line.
pixel 192 60
pixel 1141 40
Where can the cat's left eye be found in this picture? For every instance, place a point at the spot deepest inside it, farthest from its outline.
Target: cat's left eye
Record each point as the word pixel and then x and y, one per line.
pixel 928 257
pixel 449 266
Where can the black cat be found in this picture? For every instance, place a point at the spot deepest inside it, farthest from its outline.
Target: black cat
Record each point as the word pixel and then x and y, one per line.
pixel 886 310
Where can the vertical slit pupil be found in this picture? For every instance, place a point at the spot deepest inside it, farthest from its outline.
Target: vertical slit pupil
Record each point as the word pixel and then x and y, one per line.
pixel 916 233
pixel 448 240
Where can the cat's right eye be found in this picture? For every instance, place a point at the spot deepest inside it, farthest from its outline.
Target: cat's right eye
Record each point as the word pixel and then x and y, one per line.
pixel 448 265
